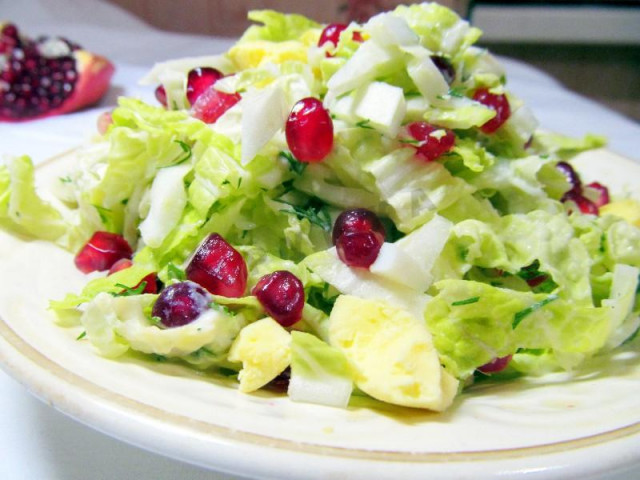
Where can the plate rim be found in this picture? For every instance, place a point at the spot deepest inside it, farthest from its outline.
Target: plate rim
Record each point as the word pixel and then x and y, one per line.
pixel 26 364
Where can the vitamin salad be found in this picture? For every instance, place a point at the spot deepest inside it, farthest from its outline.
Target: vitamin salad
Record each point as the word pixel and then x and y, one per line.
pixel 339 210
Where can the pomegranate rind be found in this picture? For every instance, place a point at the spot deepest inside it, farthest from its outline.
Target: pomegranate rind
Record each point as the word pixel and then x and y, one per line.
pixel 94 79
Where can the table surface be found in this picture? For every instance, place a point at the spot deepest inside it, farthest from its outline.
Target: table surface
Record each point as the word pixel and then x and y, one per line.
pixel 36 441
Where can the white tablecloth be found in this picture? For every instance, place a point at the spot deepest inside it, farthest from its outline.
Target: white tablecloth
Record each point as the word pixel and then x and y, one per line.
pixel 37 442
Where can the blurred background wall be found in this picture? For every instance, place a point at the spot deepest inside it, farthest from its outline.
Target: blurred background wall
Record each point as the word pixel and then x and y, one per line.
pixel 592 46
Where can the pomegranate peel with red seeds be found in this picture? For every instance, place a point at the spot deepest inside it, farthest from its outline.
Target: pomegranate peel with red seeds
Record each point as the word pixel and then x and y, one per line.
pixel 48 76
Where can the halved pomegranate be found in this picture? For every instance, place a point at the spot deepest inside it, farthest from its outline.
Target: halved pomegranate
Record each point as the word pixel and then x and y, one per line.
pixel 47 76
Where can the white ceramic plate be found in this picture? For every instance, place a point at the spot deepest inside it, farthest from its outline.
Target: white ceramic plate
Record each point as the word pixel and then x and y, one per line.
pixel 560 426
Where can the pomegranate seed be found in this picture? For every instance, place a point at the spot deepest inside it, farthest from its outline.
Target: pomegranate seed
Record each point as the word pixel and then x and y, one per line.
pixel 497 102
pixel 331 33
pixel 151 280
pixel 358 235
pixel 309 131
pixel 200 80
pixel 281 382
pixel 357 37
pixel 212 104
pixel 281 294
pixel 600 194
pixel 121 264
pixel 445 66
pixel 572 176
pixel 104 122
pixel 496 365
pixel 219 268
pixel 585 205
pixel 434 141
pixel 358 249
pixel 538 280
pixel 101 251
pixel 161 95
pixel 357 220
pixel 180 304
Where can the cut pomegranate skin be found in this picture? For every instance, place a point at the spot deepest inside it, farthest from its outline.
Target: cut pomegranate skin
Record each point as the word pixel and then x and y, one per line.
pixel 47 77
pixel 102 251
pixel 309 131
pixel 497 102
pixel 219 268
pixel 151 280
pixel 281 294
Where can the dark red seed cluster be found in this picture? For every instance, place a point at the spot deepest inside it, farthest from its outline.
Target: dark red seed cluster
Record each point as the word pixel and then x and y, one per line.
pixel 30 83
pixel 433 141
pixel 358 235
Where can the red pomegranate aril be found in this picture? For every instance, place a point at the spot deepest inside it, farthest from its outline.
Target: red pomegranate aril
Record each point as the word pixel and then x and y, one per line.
pixel 357 37
pixel 200 80
pixel 445 66
pixel 105 120
pixel 538 280
pixel 180 304
pixel 151 280
pixel 331 33
pixel 212 104
pixel 585 205
pixel 358 249
pixel 219 268
pixel 101 251
pixel 357 220
pixel 161 95
pixel 281 294
pixel 121 264
pixel 281 382
pixel 309 131
pixel 496 365
pixel 597 193
pixel 497 102
pixel 433 141
pixel 572 176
